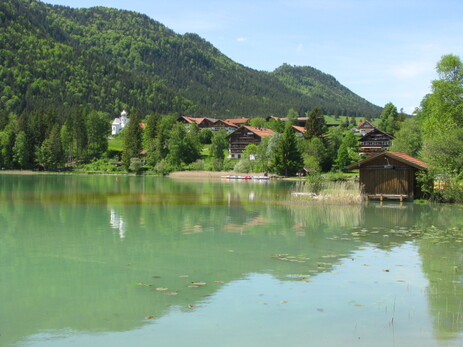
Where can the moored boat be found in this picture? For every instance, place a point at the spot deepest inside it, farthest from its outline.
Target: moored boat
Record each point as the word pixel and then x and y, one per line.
pixel 234 177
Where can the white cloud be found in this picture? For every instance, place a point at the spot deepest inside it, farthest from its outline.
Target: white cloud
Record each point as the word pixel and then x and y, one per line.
pixel 300 47
pixel 241 39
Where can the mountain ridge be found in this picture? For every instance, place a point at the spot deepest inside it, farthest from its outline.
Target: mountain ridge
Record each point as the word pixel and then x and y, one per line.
pixel 108 59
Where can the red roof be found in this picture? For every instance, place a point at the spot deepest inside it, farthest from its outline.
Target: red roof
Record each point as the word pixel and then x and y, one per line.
pixel 300 129
pixel 361 124
pixel 402 157
pixel 262 132
pixel 230 124
pixel 237 120
pixel 409 159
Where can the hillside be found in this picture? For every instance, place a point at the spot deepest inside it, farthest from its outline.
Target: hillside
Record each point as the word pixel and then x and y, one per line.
pixel 322 89
pixel 107 59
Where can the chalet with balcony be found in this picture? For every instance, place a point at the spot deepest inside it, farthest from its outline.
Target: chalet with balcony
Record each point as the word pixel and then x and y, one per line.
pixel 245 135
pixel 364 128
pixel 224 124
pixel 375 141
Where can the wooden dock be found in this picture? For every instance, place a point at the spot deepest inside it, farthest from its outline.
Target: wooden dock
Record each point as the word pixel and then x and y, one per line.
pixel 382 197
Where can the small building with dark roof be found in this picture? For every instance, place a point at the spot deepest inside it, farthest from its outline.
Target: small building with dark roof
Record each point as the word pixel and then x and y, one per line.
pixel 390 175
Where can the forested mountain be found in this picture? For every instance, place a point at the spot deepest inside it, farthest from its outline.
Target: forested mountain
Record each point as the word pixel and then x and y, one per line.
pixel 106 59
pixel 323 90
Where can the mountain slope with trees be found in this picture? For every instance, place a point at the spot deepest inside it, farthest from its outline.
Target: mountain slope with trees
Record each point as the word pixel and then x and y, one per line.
pixel 107 59
pixel 324 91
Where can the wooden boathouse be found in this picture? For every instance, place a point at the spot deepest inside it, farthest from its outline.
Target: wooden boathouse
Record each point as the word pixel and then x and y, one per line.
pixel 389 175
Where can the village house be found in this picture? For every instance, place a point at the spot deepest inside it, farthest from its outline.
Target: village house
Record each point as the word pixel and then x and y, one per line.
pixel 374 142
pixel 364 128
pixel 245 135
pixel 389 175
pixel 119 123
pixel 202 122
pixel 229 127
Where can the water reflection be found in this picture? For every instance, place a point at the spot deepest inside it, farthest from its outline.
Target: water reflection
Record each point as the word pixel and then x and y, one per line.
pixel 63 265
pixel 443 266
pixel 117 222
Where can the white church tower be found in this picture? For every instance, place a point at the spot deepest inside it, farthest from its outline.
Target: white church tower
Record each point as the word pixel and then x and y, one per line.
pixel 119 123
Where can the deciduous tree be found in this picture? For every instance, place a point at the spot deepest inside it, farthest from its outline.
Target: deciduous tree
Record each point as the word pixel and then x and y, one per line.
pixel 389 119
pixel 21 154
pixel 408 138
pixel 443 108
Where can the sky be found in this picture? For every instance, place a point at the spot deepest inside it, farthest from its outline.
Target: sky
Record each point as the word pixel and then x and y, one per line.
pixel 382 50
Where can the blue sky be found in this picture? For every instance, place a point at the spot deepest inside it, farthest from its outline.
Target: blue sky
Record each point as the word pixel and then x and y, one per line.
pixel 383 50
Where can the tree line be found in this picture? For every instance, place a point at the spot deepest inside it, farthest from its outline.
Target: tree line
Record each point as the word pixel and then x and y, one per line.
pixel 50 140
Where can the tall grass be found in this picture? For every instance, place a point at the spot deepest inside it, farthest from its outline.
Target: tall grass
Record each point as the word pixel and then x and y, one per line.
pixel 326 192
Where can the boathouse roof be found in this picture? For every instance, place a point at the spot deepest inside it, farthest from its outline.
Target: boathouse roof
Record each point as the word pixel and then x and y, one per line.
pixel 402 157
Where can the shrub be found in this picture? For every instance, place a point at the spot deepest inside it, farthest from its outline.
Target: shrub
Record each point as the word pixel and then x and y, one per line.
pixel 163 167
pixel 197 165
pixel 314 183
pixel 135 164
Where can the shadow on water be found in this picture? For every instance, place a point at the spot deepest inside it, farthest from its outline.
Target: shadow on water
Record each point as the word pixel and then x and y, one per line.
pixel 101 254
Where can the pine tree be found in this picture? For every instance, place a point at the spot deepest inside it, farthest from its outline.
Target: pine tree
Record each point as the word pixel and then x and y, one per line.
pixel 98 131
pixel 287 159
pixel 78 129
pixel 50 154
pixel 7 141
pixel 132 140
pixel 151 129
pixel 315 125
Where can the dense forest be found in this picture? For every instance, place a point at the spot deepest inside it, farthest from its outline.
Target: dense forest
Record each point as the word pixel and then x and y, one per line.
pixel 323 90
pixel 105 60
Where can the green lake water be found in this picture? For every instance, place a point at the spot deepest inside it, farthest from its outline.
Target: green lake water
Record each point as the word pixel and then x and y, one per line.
pixel 151 261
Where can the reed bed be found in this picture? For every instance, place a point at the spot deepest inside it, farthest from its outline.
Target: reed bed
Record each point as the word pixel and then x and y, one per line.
pixel 327 192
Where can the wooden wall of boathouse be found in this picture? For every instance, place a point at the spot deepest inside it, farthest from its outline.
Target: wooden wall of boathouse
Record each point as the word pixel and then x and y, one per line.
pixel 389 177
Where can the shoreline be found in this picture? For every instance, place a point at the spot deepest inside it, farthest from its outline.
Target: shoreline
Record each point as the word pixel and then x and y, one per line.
pixel 176 174
pixel 210 174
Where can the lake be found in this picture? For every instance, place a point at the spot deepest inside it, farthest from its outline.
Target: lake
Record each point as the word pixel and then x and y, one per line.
pixel 144 261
